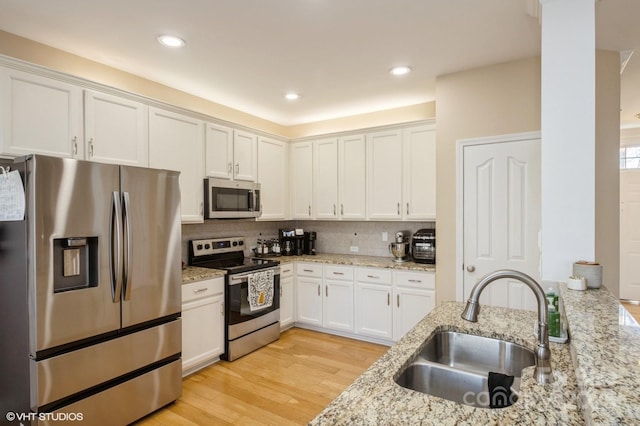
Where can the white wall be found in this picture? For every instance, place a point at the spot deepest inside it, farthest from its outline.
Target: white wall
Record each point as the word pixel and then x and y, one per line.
pixel 568 135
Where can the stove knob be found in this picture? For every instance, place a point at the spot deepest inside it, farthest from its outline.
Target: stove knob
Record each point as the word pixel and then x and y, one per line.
pixel 207 246
pixel 235 243
pixel 199 247
pixel 240 242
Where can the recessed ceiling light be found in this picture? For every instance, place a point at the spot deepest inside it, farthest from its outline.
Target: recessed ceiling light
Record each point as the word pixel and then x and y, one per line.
pixel 171 41
pixel 403 70
pixel 292 96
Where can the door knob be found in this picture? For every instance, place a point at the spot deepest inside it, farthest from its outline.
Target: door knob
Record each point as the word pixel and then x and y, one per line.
pixel 471 268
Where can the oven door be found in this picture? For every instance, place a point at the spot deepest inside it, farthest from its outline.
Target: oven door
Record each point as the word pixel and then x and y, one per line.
pixel 240 319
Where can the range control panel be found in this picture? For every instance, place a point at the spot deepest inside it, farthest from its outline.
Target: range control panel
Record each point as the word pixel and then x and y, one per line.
pixel 217 245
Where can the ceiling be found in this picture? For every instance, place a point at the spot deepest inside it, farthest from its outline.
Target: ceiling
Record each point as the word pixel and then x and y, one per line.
pixel 246 54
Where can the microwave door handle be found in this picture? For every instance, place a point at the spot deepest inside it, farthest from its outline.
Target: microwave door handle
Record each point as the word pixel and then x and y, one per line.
pixel 127 241
pixel 252 200
pixel 115 256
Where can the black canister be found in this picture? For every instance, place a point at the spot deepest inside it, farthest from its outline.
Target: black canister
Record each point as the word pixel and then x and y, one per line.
pixel 310 243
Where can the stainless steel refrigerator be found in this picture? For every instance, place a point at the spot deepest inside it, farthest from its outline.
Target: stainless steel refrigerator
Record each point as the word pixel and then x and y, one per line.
pixel 90 294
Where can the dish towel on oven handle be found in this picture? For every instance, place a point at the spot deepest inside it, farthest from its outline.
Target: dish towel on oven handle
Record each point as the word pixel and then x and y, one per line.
pixel 260 292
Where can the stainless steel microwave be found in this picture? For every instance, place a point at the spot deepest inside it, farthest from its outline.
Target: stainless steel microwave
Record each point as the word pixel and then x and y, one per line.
pixel 227 199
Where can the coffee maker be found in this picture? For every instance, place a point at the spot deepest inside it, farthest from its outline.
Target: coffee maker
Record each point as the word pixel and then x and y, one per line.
pixel 310 243
pixel 287 242
pixel 291 242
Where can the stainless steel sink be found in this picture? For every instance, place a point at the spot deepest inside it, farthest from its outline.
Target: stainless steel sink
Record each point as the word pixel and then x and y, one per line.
pixel 455 366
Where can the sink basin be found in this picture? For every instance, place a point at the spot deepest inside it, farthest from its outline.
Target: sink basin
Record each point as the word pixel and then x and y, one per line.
pixel 456 366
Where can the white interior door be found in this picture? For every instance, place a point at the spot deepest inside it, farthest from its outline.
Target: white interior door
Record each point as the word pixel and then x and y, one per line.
pixel 501 215
pixel 630 234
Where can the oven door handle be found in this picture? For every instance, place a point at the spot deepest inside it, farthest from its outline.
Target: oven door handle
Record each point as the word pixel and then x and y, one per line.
pixel 239 279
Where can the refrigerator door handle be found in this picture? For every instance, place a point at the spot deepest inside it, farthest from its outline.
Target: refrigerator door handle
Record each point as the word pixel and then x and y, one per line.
pixel 115 259
pixel 127 241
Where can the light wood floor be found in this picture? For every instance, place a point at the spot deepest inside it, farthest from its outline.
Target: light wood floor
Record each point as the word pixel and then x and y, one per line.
pixel 285 383
pixel 633 309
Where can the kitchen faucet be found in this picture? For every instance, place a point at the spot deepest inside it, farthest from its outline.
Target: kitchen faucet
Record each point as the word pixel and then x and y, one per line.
pixel 543 353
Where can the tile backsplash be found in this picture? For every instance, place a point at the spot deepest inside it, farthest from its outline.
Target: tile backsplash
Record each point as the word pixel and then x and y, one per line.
pixel 333 236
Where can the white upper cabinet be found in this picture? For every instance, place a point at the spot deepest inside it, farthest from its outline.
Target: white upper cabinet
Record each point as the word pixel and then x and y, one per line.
pixel 245 156
pixel 218 151
pixel 325 178
pixel 230 154
pixel 273 170
pixel 301 180
pixel 352 186
pixel 384 174
pixel 339 178
pixel 176 143
pixel 116 130
pixel 39 115
pixel 419 173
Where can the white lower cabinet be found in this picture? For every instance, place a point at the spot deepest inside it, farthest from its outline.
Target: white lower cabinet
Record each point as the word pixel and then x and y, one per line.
pixel 373 303
pixel 338 298
pixel 309 294
pixel 324 295
pixel 414 296
pixel 287 296
pixel 202 323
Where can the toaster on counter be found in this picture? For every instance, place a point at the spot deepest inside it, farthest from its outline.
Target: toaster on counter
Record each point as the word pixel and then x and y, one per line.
pixel 423 246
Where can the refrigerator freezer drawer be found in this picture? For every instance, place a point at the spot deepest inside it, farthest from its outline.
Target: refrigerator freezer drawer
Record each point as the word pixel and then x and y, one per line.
pixel 67 374
pixel 127 402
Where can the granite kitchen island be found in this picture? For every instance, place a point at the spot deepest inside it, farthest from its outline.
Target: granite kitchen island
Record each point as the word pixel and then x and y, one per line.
pixel 596 375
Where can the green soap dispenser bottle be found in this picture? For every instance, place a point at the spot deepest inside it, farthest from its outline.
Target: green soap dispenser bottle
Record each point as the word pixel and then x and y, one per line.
pixel 554 313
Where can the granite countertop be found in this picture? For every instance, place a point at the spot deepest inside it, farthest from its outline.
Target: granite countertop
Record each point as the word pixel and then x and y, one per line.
pixel 375 399
pixel 193 273
pixel 605 348
pixel 358 260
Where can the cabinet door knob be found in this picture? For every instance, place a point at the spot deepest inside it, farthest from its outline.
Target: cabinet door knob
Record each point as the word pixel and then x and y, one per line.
pixel 326 291
pixel 334 209
pixel 398 300
pixel 342 209
pixel 388 299
pixel 398 209
pixel 229 168
pixel 309 209
pixel 407 209
pixel 471 268
pixel 237 169
pixel 318 289
pixel 75 145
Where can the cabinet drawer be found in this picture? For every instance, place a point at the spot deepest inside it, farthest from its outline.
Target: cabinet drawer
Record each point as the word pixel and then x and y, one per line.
pixel 286 270
pixel 200 289
pixel 426 280
pixel 373 275
pixel 309 270
pixel 336 272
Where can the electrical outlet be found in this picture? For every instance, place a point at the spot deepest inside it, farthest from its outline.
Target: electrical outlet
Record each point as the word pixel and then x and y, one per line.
pixel 354 249
pixel 385 236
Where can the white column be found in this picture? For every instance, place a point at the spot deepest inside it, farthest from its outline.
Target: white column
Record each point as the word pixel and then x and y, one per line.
pixel 568 135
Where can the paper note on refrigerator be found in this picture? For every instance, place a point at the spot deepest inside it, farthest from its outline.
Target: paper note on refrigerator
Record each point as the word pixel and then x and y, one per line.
pixel 12 200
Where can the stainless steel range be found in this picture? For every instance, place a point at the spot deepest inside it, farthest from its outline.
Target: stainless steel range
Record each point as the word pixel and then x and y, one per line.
pixel 252 293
